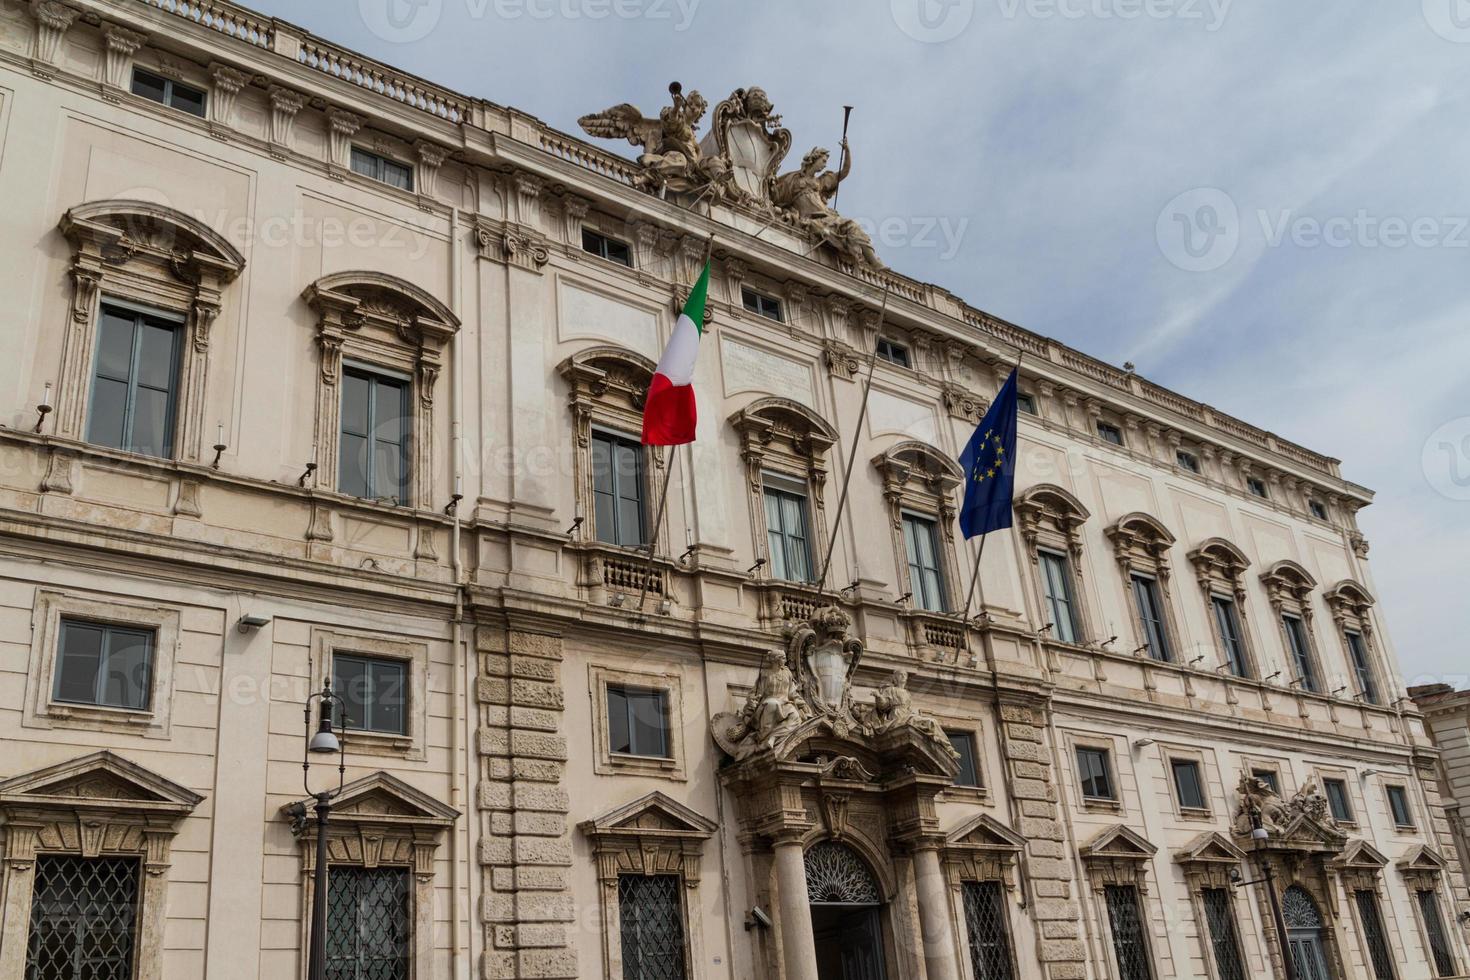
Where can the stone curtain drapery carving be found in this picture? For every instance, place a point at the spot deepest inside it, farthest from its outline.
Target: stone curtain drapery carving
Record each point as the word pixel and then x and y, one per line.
pixel 150 254
pixel 387 322
pixel 836 875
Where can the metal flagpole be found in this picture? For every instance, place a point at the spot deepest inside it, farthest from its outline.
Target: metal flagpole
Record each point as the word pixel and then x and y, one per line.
pixel 975 575
pixel 852 450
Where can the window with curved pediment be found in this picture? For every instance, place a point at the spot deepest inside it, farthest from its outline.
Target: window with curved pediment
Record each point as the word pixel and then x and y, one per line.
pixel 784 446
pixel 381 341
pixel 1219 567
pixel 919 484
pixel 1141 546
pixel 1050 520
pixel 1351 608
pixel 148 284
pixel 1289 588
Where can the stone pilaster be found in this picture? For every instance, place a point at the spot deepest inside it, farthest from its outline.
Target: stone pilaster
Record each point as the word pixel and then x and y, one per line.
pixel 1033 784
pixel 526 849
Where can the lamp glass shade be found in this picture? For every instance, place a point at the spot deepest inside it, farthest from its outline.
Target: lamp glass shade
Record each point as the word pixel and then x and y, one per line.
pixel 324 743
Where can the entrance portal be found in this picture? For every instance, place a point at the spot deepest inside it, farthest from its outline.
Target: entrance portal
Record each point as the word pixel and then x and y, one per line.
pixel 847 914
pixel 1304 934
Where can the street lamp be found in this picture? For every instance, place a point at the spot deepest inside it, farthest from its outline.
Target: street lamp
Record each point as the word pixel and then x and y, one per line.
pixel 1260 835
pixel 327 740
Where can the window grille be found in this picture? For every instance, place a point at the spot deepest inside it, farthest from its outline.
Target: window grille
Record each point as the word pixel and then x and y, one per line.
pixel 835 875
pixel 652 927
pixel 1223 939
pixel 1439 944
pixel 1373 935
pixel 84 915
pixel 985 919
pixel 367 923
pixel 1130 945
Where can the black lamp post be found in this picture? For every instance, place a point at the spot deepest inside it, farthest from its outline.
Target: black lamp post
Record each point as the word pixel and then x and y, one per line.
pixel 325 741
pixel 1260 834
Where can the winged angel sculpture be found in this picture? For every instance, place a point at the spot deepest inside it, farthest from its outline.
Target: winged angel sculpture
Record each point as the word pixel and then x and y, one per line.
pixel 671 157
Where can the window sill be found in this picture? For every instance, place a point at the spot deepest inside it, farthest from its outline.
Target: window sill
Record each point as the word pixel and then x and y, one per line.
pixel 379 743
pixel 966 794
pixel 1093 804
pixel 101 712
pixel 1194 813
pixel 658 767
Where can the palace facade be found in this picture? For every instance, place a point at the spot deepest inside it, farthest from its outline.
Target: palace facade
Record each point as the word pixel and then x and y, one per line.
pixel 318 373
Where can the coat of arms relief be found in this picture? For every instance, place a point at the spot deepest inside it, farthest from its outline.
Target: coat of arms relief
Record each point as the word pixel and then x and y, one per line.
pixel 737 164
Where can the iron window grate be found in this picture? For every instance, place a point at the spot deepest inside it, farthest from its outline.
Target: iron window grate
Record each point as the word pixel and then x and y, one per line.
pixel 985 921
pixel 652 927
pixel 367 923
pixel 1223 939
pixel 1373 935
pixel 84 915
pixel 1130 945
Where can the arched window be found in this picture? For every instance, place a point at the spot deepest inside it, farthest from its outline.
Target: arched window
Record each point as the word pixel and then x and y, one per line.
pixel 836 875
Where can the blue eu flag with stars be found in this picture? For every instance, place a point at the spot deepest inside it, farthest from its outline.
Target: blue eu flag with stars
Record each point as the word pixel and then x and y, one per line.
pixel 989 462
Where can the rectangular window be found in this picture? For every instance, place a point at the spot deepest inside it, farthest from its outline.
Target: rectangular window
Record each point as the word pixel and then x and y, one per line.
pixel 651 926
pixel 1439 943
pixel 367 923
pixel 1227 626
pixel 1224 942
pixel 786 529
pixel 766 306
pixel 135 384
pixel 1056 581
pixel 1130 945
pixel 1362 669
pixel 1256 486
pixel 893 353
pixel 617 489
pixel 1189 784
pixel 1374 936
pixel 83 918
pixel 376 436
pixel 1151 616
pixel 1318 509
pixel 1301 652
pixel 1092 770
pixel 1398 806
pixel 175 95
pixel 381 169
pixel 638 721
pixel 926 578
pixel 1108 432
pixel 964 744
pixel 1026 403
pixel 1337 800
pixel 108 666
pixel 985 922
pixel 607 248
pixel 374 693
pixel 1187 460
pixel 1270 778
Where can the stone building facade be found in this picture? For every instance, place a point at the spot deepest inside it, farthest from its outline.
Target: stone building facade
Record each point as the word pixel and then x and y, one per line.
pixel 320 373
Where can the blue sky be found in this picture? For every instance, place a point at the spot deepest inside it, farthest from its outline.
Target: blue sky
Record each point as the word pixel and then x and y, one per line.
pixel 1263 205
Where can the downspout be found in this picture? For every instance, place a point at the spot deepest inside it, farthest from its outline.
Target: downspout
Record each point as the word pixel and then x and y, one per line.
pixel 458 691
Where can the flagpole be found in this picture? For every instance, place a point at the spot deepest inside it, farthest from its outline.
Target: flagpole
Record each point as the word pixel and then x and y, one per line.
pixel 852 449
pixel 975 575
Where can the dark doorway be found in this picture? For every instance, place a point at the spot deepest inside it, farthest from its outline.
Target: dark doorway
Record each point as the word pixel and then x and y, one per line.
pixel 849 942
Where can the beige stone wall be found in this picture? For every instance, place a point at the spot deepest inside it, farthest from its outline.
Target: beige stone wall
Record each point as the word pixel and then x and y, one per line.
pixel 508 727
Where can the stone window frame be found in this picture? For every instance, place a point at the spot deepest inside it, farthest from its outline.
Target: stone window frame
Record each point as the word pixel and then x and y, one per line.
pixel 1117 855
pixel 1186 753
pixel 652 835
pixel 983 849
pixel 1407 829
pixel 1351 607
pixel 1051 518
pixel 142 253
pixel 1360 868
pixel 1141 546
pixel 921 480
pixel 98 804
pixel 1285 778
pixel 784 437
pixel 605 762
pixel 1423 869
pixel 1207 862
pixel 378 320
pixel 1108 745
pixel 42 710
pixel 1289 589
pixel 379 820
pixel 972 728
pixel 1219 567
pixel 1344 776
pixel 414 654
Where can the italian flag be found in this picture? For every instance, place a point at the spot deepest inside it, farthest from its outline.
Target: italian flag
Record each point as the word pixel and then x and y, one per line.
pixel 668 411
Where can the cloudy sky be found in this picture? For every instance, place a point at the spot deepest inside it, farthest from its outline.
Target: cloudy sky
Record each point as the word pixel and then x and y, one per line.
pixel 1262 204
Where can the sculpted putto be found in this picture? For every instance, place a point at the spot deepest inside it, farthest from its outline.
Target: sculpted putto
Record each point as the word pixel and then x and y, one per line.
pixel 806 194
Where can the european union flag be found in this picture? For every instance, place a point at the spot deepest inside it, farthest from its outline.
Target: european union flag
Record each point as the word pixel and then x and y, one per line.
pixel 989 461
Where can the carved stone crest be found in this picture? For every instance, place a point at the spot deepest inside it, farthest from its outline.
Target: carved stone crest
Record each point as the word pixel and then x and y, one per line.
pixel 747 132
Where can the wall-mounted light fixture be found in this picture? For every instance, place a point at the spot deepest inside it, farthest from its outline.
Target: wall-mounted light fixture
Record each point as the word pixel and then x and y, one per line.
pixel 249 623
pixel 43 409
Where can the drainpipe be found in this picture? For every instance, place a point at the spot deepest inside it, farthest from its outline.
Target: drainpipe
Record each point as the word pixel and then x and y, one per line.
pixel 458 692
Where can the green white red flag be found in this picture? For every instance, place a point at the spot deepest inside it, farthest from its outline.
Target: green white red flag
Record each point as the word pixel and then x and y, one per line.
pixel 669 413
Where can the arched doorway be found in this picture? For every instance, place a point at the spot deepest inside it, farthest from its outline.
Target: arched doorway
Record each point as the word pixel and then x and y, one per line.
pixel 847 913
pixel 1304 934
